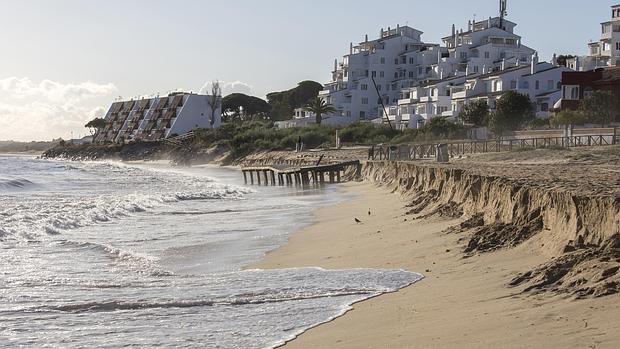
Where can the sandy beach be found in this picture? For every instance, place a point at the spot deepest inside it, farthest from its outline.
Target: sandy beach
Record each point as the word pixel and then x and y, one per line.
pixel 461 303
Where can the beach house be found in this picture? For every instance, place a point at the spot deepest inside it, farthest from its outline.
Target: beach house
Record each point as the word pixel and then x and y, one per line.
pixel 158 118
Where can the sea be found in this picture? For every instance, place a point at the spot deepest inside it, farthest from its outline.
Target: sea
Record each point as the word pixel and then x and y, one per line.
pixel 109 255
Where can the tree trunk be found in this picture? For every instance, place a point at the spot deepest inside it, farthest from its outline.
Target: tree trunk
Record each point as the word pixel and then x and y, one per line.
pixel 319 118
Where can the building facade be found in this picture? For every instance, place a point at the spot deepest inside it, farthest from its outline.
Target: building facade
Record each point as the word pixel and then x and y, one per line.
pixel 580 85
pixel 606 51
pixel 368 76
pixel 415 80
pixel 158 118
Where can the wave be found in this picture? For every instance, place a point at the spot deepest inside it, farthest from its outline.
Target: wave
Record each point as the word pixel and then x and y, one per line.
pixel 15 183
pixel 109 306
pixel 52 216
pixel 137 262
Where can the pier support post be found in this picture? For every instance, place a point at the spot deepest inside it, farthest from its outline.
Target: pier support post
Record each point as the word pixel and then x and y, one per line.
pixel 245 177
pixel 331 176
pixel 258 177
pixel 338 176
pixel 252 177
pixel 273 178
pixel 266 175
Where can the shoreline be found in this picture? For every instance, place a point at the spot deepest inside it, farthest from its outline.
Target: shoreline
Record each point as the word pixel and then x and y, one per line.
pixel 460 302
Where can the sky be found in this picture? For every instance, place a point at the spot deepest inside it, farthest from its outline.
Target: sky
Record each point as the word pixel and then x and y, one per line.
pixel 63 62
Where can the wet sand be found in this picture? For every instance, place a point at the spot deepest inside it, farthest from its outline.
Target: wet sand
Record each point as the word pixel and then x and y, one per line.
pixel 461 303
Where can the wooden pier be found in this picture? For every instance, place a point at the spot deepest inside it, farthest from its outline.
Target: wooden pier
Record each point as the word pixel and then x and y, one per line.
pixel 301 176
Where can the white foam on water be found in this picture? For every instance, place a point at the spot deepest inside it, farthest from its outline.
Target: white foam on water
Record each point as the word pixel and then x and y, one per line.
pixel 113 255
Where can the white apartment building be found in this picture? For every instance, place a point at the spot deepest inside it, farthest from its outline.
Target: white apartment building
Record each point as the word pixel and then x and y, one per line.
pixel 541 82
pixel 158 118
pixel 394 56
pixel 409 72
pixel 606 51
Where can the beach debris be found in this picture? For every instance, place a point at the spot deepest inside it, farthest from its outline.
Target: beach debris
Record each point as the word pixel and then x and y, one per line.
pixel 369 212
pixel 357 221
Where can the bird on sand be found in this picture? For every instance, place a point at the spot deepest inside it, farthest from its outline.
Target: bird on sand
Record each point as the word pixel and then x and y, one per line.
pixel 357 221
pixel 369 212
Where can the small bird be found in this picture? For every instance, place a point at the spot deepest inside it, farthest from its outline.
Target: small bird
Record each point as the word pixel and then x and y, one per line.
pixel 357 221
pixel 369 212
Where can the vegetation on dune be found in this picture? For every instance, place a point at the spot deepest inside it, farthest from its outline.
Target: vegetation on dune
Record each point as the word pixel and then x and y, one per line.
pixel 283 104
pixel 95 125
pixel 475 113
pixel 241 107
pixel 567 117
pixel 242 138
pixel 319 107
pixel 512 112
pixel 599 108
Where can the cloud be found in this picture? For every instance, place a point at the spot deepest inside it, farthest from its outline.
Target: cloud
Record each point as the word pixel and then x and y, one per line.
pixel 49 109
pixel 230 87
pixel 54 91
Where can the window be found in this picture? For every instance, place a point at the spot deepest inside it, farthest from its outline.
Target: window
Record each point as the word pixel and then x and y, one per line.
pixel 362 115
pixel 411 60
pixel 364 100
pixel 618 46
pixel 411 74
pixel 513 85
pixel 463 55
pixel 348 113
pixel 538 84
pixel 395 60
pixel 432 92
pixel 381 74
pixel 497 86
pixel 395 75
pixel 544 107
pixel 487 54
pixel 382 60
pixel 364 87
pixel 374 74
pixel 571 92
pixel 476 69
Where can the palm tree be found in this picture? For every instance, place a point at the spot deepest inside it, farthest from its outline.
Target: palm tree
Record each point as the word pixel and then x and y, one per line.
pixel 319 107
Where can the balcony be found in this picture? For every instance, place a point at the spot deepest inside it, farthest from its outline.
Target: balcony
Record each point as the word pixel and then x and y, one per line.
pixel 406 101
pixel 450 114
pixel 462 94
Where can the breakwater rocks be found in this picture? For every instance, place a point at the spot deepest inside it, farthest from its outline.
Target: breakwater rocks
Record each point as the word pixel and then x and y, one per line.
pixel 579 234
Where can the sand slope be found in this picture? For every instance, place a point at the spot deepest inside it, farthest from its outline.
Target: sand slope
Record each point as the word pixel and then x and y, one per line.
pixel 462 303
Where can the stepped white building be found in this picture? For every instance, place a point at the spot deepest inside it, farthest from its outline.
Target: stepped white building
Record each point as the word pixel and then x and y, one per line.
pixel 389 60
pixel 158 118
pixel 541 81
pixel 606 51
pixel 418 81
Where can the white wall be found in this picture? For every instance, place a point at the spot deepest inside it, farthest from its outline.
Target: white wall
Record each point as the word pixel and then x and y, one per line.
pixel 195 113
